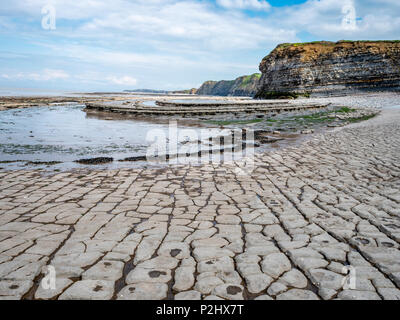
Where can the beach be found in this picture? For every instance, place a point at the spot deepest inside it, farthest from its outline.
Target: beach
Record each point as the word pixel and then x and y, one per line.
pixel 314 220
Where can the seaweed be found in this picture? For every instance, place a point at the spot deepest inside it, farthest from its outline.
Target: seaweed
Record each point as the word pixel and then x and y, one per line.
pixel 95 161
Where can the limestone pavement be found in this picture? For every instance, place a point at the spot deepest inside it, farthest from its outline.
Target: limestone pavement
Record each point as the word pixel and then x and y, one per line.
pixel 295 227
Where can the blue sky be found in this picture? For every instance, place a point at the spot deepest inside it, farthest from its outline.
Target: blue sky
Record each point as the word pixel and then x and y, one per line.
pixel 100 45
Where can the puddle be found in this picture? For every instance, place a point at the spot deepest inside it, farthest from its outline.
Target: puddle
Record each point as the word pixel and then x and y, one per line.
pixel 45 136
pixel 391 107
pixel 150 103
pixel 69 136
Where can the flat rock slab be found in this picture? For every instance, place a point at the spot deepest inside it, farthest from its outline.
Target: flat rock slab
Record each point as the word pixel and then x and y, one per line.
pixel 276 264
pixel 358 295
pixel 294 278
pixel 297 294
pixel 46 293
pixel 144 291
pixel 314 221
pixel 139 275
pixel 14 288
pixel 229 291
pixel 205 253
pixel 188 295
pixel 104 270
pixel 89 290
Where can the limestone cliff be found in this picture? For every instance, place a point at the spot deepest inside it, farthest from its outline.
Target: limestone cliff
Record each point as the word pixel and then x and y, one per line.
pixel 242 86
pixel 330 68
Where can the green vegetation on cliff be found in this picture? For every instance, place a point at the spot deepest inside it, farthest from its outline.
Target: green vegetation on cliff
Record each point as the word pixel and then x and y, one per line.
pixel 242 86
pixel 249 79
pixel 330 43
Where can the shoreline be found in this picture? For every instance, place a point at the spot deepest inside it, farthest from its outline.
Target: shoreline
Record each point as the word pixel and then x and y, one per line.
pixel 286 229
pixel 264 143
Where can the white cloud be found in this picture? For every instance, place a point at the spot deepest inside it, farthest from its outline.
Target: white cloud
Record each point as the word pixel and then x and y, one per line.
pixel 122 81
pixel 245 4
pixel 178 21
pixel 45 75
pixel 101 56
pixel 323 19
pixel 171 42
pixel 51 74
pixel 197 23
pixel 94 56
pixel 172 21
pixel 5 23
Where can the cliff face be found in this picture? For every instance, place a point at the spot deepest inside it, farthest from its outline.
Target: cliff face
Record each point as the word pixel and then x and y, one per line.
pixel 242 86
pixel 330 68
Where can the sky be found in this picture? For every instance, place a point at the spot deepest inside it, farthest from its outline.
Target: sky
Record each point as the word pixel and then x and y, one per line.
pixel 99 45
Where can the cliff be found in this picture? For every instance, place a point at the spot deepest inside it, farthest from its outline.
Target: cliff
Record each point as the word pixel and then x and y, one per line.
pixel 242 86
pixel 330 68
pixel 188 91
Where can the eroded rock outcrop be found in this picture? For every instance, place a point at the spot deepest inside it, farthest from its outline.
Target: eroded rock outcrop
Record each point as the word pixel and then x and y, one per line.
pixel 242 86
pixel 330 68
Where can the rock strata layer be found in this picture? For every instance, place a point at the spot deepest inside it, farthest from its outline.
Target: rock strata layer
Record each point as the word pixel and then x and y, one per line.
pixel 330 68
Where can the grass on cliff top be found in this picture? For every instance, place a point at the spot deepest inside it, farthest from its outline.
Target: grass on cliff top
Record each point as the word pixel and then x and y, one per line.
pixel 248 79
pixel 330 43
pixel 300 44
pixel 369 41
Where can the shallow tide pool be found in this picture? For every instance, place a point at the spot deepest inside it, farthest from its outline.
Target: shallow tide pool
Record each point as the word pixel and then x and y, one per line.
pixel 68 133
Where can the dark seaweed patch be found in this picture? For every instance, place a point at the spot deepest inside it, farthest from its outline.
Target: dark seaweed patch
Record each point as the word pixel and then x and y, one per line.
pixel 95 160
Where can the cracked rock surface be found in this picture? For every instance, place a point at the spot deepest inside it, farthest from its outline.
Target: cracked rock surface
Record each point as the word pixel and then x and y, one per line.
pixel 295 227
